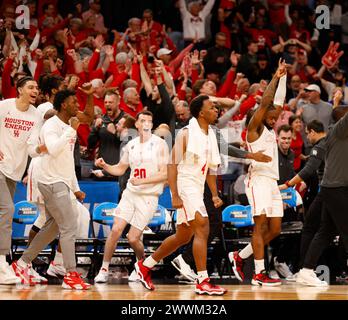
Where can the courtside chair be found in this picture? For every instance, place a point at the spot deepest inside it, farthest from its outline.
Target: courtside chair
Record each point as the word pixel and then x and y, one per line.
pixel 103 219
pixel 159 231
pixel 238 216
pixel 24 216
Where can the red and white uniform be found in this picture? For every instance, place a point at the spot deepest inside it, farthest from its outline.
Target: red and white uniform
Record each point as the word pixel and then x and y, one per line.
pixel 192 173
pixel 139 203
pixel 19 136
pixel 261 181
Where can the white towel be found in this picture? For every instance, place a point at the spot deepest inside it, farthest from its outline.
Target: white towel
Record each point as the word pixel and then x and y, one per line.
pixel 193 145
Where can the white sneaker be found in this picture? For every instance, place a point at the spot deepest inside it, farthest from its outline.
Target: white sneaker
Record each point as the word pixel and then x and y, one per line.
pixel 36 278
pixel 180 264
pixel 7 275
pixel 282 268
pixel 273 274
pixel 292 278
pixel 56 270
pixel 309 278
pixel 133 277
pixel 102 276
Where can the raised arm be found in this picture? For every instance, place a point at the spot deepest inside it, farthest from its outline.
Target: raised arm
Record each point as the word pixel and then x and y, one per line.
pixel 267 98
pixel 87 115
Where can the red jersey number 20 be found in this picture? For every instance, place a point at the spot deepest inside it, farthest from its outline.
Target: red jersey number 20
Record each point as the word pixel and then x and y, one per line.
pixel 140 173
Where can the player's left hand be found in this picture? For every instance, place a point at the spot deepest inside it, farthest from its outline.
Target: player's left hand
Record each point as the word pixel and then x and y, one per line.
pixel 217 202
pixel 135 181
pixel 80 195
pixel 282 187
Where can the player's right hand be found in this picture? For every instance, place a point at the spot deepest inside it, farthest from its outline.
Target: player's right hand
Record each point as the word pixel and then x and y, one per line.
pixel 100 163
pixel 177 202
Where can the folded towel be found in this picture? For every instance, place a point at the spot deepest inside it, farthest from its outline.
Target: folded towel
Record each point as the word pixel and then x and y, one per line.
pixel 193 145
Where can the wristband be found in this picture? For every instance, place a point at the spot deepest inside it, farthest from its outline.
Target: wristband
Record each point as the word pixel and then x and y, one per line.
pixel 287 183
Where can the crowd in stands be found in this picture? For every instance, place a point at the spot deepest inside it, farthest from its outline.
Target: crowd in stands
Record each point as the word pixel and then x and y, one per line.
pixel 162 59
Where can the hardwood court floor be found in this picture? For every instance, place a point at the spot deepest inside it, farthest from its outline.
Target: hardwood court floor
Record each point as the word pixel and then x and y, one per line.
pixel 135 291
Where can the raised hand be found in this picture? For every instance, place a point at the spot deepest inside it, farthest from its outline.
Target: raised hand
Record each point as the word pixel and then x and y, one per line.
pixel 331 56
pixel 87 88
pixel 98 41
pixel 109 50
pixel 282 66
pixel 72 53
pixel 234 58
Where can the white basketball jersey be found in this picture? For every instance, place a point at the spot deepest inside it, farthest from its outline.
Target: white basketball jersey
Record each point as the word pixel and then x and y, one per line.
pixel 145 160
pixel 267 142
pixel 193 168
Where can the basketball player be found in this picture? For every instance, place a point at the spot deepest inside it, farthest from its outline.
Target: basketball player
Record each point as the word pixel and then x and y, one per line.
pixel 49 86
pixel 147 156
pixel 194 153
pixel 261 181
pixel 20 125
pixel 55 181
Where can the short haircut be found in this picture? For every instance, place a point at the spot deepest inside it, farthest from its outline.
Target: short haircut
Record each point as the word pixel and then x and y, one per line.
pixel 48 82
pixel 316 126
pixel 285 128
pixel 197 104
pixel 145 113
pixel 148 11
pixel 129 83
pixel 129 121
pixel 112 92
pixel 60 98
pixel 127 92
pixel 22 81
pixel 294 117
pixel 198 86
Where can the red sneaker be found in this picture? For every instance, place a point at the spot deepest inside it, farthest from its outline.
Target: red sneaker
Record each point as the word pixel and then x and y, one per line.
pixel 72 280
pixel 205 287
pixel 23 273
pixel 237 265
pixel 262 279
pixel 145 275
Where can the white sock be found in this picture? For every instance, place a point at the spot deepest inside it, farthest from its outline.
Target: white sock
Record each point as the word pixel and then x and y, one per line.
pixel 2 260
pixel 21 263
pixel 259 266
pixel 105 265
pixel 202 275
pixel 58 258
pixel 246 252
pixel 149 262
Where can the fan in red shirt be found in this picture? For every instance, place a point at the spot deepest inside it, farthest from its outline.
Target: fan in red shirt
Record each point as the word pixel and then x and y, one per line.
pixel 263 36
